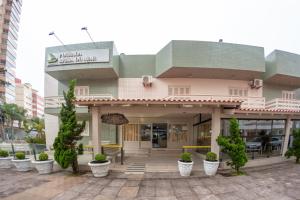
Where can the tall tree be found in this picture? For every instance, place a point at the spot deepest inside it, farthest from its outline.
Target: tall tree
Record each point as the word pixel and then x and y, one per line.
pixel 234 146
pixel 69 132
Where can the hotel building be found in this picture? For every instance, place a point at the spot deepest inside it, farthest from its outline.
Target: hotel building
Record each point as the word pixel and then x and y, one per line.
pixel 184 94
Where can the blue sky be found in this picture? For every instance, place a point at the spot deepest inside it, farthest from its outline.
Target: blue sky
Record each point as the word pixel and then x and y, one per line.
pixel 144 27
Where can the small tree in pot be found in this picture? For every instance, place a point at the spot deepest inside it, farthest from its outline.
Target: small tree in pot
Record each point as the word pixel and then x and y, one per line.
pixel 234 147
pixel 5 160
pixel 22 163
pixel 100 165
pixel 211 164
pixel 295 149
pixel 185 164
pixel 43 165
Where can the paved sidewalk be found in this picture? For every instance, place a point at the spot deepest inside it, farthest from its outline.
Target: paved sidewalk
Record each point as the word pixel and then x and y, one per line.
pixel 281 181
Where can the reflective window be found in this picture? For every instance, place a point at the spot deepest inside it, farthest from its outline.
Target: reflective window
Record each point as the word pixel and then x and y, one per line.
pixel 145 132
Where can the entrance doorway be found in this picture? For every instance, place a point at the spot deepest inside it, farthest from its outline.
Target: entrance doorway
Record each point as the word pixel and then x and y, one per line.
pixel 159 135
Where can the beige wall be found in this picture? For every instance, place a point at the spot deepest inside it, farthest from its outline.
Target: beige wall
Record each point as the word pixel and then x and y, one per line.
pixel 133 87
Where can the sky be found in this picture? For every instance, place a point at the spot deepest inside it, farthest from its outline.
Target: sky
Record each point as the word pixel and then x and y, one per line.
pixel 144 27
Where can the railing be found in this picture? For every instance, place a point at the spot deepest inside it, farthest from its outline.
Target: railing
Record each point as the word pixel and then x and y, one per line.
pixel 247 102
pixel 283 104
pixel 56 101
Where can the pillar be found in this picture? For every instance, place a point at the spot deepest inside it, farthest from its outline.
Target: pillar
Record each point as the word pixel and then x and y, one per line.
pixel 216 129
pixel 120 135
pixel 288 127
pixel 96 129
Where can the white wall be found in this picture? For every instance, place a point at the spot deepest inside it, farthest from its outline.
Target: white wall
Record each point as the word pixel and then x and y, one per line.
pixel 51 121
pixel 133 88
pixel 51 129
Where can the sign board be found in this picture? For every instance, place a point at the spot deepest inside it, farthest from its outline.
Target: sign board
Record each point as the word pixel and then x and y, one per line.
pixel 78 57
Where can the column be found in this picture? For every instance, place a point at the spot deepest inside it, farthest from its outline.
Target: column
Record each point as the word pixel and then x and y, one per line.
pixel 96 129
pixel 120 135
pixel 288 127
pixel 216 129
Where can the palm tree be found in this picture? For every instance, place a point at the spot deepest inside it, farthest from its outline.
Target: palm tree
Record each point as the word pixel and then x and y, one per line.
pixel 39 126
pixel 12 112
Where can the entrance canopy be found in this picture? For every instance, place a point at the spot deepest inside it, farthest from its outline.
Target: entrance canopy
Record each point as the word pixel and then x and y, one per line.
pixel 187 103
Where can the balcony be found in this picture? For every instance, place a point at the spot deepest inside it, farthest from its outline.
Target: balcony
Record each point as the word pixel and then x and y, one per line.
pixel 249 102
pixel 283 104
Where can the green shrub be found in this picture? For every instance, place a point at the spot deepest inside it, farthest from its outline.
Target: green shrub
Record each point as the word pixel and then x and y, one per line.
pixel 186 157
pixel 43 156
pixel 100 158
pixel 65 149
pixel 35 140
pixel 20 155
pixel 211 156
pixel 295 149
pixel 80 149
pixel 3 153
pixel 234 147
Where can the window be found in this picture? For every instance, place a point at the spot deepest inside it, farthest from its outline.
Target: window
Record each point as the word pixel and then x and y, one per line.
pixel 288 94
pixel 238 92
pixel 179 90
pixel 82 91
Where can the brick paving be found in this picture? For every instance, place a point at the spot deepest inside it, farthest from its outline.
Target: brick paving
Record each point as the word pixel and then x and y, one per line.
pixel 280 181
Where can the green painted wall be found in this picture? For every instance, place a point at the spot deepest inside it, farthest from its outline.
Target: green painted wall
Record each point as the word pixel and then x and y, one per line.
pixel 135 66
pixel 210 55
pixel 282 62
pixel 164 59
pixel 85 46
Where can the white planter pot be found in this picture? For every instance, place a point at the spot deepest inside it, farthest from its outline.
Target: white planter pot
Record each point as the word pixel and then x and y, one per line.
pixel 22 165
pixel 5 162
pixel 44 167
pixel 99 169
pixel 210 168
pixel 185 168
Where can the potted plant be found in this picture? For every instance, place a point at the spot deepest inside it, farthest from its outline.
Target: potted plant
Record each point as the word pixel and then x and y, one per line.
pixel 211 164
pixel 185 164
pixel 22 163
pixel 100 165
pixel 5 160
pixel 43 165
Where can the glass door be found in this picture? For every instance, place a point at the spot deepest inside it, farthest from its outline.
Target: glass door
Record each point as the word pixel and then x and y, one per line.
pixel 159 135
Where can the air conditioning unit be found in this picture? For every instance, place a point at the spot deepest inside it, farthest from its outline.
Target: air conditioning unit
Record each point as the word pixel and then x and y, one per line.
pixel 256 83
pixel 147 80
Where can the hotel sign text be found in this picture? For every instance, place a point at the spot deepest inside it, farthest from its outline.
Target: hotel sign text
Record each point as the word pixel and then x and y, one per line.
pixel 78 57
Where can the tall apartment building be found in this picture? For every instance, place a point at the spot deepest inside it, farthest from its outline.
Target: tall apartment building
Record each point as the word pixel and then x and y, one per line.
pixel 10 11
pixel 28 98
pixel 184 94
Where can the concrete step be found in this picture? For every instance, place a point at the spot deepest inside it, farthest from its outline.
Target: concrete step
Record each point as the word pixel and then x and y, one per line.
pixel 135 168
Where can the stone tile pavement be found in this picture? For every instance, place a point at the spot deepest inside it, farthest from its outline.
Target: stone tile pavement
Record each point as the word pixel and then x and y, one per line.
pixel 280 181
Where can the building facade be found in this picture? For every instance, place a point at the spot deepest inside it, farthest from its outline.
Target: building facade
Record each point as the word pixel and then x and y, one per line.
pixel 28 98
pixel 37 104
pixel 10 11
pixel 183 95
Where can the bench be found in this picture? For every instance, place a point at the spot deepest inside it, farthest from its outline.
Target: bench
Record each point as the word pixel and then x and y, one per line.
pixel 194 147
pixel 113 150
